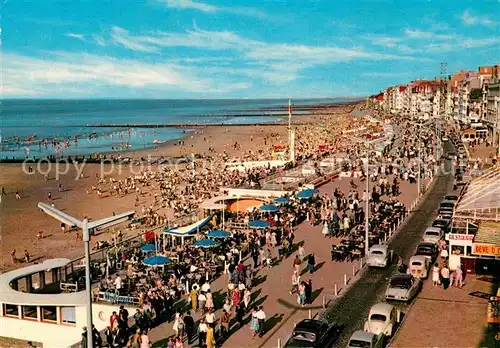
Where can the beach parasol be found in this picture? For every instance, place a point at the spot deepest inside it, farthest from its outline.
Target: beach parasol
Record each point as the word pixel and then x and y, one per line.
pixel 148 248
pixel 281 200
pixel 268 208
pixel 206 243
pixel 219 234
pixel 157 260
pixel 259 224
pixel 307 193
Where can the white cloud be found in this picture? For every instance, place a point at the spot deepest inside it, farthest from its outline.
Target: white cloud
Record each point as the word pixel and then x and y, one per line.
pixel 189 4
pixel 121 36
pixel 81 73
pixel 99 40
pixel 386 74
pixel 207 8
pixel 470 19
pixel 76 36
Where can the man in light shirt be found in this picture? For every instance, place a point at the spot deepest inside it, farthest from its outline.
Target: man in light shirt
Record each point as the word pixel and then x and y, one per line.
pixel 205 287
pixel 118 284
pixel 261 316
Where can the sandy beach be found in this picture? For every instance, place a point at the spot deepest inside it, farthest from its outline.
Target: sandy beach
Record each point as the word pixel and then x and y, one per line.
pixel 21 220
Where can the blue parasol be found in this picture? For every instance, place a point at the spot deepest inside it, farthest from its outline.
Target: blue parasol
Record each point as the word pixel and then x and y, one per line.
pixel 306 194
pixel 281 200
pixel 206 243
pixel 157 260
pixel 148 248
pixel 268 208
pixel 259 224
pixel 219 234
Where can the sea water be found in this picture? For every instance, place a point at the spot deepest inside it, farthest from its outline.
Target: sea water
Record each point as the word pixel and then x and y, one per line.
pixel 26 125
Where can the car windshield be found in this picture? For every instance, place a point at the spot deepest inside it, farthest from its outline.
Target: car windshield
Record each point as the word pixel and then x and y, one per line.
pixel 359 344
pixel 416 263
pixel 400 283
pixel 424 250
pixel 304 336
pixel 377 252
pixel 432 233
pixel 438 223
pixel 378 317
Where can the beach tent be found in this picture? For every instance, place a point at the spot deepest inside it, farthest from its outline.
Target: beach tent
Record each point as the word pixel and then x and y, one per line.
pixel 219 234
pixel 206 243
pixel 189 230
pixel 281 200
pixel 148 248
pixel 157 260
pixel 268 208
pixel 307 193
pixel 259 224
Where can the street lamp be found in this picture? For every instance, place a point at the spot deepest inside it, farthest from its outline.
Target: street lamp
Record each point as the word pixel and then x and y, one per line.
pixel 367 179
pixel 86 227
pixel 419 159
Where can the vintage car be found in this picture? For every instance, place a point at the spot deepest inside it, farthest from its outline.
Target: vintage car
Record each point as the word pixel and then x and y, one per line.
pixel 382 319
pixel 452 198
pixel 402 287
pixel 379 256
pixel 313 333
pixel 447 204
pixel 363 339
pixel 418 266
pixel 429 250
pixel 441 223
pixel 432 235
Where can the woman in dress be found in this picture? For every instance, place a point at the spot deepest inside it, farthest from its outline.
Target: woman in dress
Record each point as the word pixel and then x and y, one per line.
pixel 145 343
pixel 247 297
pixel 210 340
pixel 210 301
pixel 435 275
pixel 254 323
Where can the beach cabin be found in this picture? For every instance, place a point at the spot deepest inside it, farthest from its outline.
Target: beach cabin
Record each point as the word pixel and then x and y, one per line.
pixel 38 304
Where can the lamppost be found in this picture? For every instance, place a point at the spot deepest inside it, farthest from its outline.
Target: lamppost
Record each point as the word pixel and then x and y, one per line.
pixel 367 202
pixel 86 227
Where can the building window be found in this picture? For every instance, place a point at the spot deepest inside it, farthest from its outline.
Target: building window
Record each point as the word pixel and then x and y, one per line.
pixel 68 315
pixel 11 310
pixel 49 313
pixel 30 312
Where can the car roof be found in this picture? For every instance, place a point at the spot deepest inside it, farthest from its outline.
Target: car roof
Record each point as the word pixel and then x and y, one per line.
pixel 311 325
pixel 426 244
pixel 447 201
pixel 433 229
pixel 382 247
pixel 381 308
pixel 451 197
pixel 401 276
pixel 419 258
pixel 362 336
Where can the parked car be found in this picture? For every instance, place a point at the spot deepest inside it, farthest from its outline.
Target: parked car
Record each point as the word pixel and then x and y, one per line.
pixel 382 319
pixel 429 250
pixel 432 235
pixel 402 287
pixel 379 256
pixel 363 339
pixel 441 223
pixel 453 198
pixel 418 266
pixel 447 204
pixel 312 333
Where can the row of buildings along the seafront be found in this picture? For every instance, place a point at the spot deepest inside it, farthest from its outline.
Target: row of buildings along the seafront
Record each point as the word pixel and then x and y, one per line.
pixel 467 97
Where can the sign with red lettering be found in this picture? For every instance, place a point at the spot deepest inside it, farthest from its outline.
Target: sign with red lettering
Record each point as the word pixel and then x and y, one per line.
pixel 460 239
pixel 485 249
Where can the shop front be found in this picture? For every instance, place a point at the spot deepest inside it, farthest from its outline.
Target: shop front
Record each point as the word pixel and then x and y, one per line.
pixel 487 260
pixel 460 246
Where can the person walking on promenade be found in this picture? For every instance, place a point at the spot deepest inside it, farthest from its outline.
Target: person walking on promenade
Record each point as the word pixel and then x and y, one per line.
pixel 189 326
pixel 445 276
pixel 435 274
pixel 224 324
pixel 202 332
pixel 261 316
pixel 459 277
pixel 296 264
pixel 295 282
pixel 308 290
pixel 13 256
pixel 301 294
pixel 210 337
pixel 311 263
pixel 254 323
pixel 301 252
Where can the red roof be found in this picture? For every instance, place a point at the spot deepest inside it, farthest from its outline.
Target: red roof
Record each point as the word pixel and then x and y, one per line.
pixel 402 88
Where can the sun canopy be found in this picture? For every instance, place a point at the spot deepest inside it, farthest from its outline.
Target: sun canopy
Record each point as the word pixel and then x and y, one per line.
pixel 147 248
pixel 219 234
pixel 482 193
pixel 281 200
pixel 189 229
pixel 307 193
pixel 206 243
pixel 157 260
pixel 259 224
pixel 268 208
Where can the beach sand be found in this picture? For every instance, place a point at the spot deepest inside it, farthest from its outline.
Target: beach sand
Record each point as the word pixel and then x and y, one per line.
pixel 21 220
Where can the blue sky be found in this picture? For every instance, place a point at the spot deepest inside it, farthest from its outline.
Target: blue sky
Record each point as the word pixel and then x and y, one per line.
pixel 237 49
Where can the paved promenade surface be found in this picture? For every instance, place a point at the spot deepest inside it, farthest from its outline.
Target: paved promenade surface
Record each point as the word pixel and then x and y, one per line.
pixel 272 291
pixel 446 318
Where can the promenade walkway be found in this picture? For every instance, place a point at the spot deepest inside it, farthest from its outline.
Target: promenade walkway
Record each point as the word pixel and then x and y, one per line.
pixel 273 285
